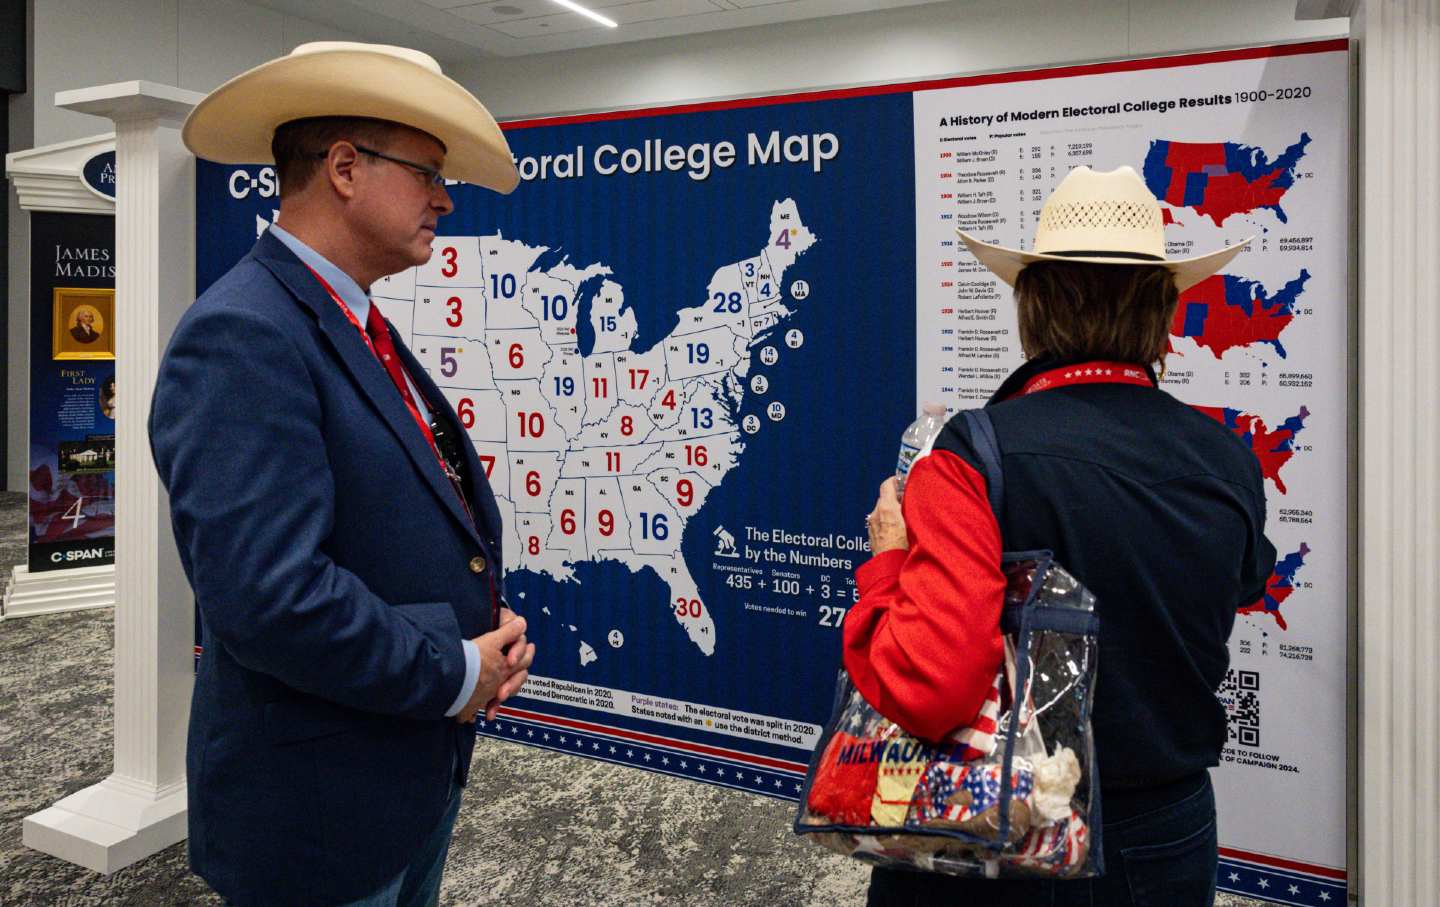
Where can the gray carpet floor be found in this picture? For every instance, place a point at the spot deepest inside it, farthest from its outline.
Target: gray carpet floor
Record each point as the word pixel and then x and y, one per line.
pixel 536 827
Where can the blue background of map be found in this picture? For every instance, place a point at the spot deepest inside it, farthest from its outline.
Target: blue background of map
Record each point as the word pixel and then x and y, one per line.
pixel 848 391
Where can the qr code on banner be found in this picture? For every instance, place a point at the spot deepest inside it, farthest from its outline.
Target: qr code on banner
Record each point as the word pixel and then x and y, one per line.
pixel 1240 692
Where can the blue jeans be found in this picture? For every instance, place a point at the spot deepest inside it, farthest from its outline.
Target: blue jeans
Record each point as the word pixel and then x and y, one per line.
pixel 1163 857
pixel 418 885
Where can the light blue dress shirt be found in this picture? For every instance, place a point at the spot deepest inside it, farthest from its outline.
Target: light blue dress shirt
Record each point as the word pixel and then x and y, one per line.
pixel 357 300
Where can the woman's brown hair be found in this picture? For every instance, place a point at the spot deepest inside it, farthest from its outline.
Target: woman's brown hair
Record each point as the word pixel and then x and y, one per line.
pixel 1075 310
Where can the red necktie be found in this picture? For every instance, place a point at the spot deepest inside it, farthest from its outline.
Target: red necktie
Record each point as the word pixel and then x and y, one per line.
pixel 384 348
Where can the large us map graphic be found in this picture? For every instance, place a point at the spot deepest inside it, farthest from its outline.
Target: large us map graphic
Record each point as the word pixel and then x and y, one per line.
pixel 597 452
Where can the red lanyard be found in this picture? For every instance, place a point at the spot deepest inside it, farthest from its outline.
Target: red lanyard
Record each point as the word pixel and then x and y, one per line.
pixel 397 377
pixel 1087 373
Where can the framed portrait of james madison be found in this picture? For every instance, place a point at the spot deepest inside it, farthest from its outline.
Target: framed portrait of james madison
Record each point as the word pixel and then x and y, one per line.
pixel 84 323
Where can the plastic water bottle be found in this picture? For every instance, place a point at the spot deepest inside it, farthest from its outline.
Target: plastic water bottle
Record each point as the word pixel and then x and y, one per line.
pixel 917 440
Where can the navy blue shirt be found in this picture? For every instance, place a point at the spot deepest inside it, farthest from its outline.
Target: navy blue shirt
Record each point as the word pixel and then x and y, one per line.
pixel 1160 511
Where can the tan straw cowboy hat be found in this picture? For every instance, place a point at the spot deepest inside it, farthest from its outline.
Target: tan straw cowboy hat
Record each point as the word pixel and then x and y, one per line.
pixel 235 123
pixel 1104 218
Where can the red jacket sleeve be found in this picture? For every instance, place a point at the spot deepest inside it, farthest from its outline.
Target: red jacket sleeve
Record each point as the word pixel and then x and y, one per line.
pixel 923 643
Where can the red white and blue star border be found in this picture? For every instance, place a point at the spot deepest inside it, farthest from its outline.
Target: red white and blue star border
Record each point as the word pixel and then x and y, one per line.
pixel 1279 880
pixel 779 778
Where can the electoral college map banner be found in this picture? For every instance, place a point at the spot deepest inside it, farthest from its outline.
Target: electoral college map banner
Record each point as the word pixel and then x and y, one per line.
pixel 686 347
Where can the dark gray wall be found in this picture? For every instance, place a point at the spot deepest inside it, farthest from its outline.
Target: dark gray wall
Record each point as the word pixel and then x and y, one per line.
pixel 12 46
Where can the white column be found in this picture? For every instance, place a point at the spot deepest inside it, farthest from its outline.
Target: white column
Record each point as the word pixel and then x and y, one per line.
pixel 1400 456
pixel 140 808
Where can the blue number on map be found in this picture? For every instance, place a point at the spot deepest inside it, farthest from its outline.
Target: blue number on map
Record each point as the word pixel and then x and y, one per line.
pixel 728 303
pixel 565 387
pixel 449 365
pixel 749 269
pixel 702 418
pixel 556 307
pixel 654 526
pixel 607 322
pixel 698 352
pixel 502 285
pixel 782 239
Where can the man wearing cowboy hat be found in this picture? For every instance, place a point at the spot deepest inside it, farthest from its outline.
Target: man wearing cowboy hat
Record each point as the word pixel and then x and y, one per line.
pixel 331 515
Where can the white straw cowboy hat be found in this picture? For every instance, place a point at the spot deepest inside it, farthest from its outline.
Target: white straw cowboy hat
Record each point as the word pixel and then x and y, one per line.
pixel 235 123
pixel 1103 218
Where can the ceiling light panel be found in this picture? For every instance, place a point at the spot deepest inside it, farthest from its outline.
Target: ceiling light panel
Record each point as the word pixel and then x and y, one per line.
pixel 493 11
pixel 623 13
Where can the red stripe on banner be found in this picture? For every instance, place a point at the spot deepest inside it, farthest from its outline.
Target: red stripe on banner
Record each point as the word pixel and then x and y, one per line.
pixel 1338 875
pixel 997 78
pixel 781 764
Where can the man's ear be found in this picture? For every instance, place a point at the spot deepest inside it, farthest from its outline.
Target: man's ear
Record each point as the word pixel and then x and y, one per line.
pixel 340 165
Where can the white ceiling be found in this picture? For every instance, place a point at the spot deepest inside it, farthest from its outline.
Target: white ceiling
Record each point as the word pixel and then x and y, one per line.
pixel 456 30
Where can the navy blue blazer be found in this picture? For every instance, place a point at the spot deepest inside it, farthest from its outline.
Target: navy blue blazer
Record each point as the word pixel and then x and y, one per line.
pixel 336 574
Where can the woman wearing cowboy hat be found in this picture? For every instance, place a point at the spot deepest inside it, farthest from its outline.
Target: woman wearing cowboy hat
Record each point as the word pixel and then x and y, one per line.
pixel 1153 506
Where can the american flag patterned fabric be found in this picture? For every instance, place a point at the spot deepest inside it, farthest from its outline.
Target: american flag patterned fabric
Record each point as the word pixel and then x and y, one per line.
pixel 944 779
pixel 979 738
pixel 1058 846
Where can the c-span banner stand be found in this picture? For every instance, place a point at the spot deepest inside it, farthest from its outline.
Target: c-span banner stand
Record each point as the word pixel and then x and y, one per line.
pixel 140 808
pixel 68 192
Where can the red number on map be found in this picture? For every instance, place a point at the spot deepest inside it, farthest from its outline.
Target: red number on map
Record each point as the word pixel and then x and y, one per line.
pixel 466 411
pixel 688 607
pixel 534 544
pixel 456 315
pixel 452 265
pixel 489 463
pixel 532 483
pixel 685 492
pixel 567 521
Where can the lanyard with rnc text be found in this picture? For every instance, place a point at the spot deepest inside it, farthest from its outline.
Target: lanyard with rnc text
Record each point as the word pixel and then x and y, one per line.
pixel 398 379
pixel 1087 373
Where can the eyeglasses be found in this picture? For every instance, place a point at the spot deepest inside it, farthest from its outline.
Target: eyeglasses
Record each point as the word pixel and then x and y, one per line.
pixel 433 176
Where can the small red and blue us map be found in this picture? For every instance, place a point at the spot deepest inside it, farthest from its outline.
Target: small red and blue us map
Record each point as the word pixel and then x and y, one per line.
pixel 1224 311
pixel 1272 447
pixel 1219 180
pixel 1280 586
